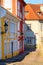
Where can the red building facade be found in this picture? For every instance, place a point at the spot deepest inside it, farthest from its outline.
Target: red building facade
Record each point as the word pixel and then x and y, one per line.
pixel 20 14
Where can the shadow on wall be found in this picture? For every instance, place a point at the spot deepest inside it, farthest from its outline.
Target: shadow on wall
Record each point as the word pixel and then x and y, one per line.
pixel 29 38
pixel 29 43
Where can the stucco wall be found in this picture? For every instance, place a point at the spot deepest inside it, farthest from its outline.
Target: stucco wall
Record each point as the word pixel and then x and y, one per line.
pixel 35 29
pixel 0 41
pixel 9 44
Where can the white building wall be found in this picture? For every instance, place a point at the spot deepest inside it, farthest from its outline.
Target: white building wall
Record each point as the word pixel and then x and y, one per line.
pixel 35 27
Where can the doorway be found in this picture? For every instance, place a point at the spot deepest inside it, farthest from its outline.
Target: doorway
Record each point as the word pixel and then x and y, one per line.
pixel 12 48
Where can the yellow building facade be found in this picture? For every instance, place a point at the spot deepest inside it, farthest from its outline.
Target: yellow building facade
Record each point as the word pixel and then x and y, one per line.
pixel 9 45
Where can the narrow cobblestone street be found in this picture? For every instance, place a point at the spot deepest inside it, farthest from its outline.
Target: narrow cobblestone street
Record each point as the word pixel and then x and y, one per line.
pixel 33 58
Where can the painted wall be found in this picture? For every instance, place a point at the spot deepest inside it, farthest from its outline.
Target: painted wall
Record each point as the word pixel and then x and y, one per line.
pixel 0 40
pixel 9 43
pixel 11 36
pixel 14 7
pixel 35 29
pixel 10 5
pixel 7 4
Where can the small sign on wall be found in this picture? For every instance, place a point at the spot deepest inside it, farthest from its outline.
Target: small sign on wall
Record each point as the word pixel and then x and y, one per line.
pixel 36 33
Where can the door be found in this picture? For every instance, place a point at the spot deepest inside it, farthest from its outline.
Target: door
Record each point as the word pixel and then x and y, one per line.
pixel 6 48
pixel 12 48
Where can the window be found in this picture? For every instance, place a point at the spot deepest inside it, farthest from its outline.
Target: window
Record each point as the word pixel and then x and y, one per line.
pixel 23 12
pixel 12 35
pixel 18 8
pixel 6 47
pixel 12 27
pixel 42 26
pixel 18 13
pixel 21 44
pixel 29 40
pixel 39 13
pixel 26 12
pixel 18 5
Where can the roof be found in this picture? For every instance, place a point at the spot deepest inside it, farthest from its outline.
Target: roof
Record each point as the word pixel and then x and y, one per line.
pixel 34 12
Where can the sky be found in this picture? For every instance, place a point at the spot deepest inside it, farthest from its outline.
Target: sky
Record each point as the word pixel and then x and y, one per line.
pixel 34 1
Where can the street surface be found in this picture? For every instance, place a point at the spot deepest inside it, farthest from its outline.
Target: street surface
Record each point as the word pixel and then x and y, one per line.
pixel 32 58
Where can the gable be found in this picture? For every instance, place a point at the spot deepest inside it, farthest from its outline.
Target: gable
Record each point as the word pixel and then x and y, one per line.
pixel 31 14
pixel 34 12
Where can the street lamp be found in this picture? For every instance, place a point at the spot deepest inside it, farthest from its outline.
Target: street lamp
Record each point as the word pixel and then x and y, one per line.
pixel 21 33
pixel 5 27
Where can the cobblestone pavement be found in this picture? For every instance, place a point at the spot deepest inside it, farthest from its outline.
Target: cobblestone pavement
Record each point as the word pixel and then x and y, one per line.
pixel 32 58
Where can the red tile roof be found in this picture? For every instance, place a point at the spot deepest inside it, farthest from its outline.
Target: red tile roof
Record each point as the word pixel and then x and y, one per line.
pixel 33 12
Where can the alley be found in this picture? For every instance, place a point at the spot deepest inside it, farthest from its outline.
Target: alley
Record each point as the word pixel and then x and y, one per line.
pixel 32 58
